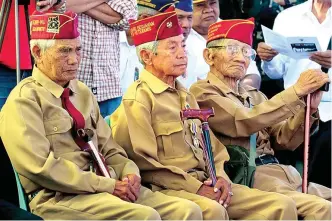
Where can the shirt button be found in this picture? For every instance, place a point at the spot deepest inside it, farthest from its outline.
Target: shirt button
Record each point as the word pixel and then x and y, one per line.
pixel 55 129
pixel 297 107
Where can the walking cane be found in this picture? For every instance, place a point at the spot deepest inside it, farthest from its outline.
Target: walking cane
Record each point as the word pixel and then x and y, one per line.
pixel 325 87
pixel 306 146
pixel 86 135
pixel 203 116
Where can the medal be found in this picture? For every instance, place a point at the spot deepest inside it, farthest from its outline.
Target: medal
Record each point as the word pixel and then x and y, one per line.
pixel 193 130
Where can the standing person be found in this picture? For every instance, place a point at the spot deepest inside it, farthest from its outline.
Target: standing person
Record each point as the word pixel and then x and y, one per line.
pixel 206 12
pixel 166 149
pixel 241 111
pixel 99 23
pixel 39 126
pixel 312 18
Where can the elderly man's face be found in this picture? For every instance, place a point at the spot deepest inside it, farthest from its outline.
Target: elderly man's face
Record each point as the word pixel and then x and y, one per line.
pixel 171 57
pixel 230 60
pixel 60 62
pixel 205 14
pixel 185 20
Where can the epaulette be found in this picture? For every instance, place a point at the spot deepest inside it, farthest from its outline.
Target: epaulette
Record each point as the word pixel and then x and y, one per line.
pixel 132 90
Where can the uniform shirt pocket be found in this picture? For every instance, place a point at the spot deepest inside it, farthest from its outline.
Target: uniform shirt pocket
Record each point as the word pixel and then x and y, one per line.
pixel 58 132
pixel 172 139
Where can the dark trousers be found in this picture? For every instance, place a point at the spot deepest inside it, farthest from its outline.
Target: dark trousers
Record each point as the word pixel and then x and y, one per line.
pixel 320 155
pixel 9 211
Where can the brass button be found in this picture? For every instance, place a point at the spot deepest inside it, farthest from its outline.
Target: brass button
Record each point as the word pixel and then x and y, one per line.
pixel 55 129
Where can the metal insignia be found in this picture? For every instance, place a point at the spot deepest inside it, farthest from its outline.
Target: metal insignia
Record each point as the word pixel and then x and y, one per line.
pixel 53 24
pixel 169 24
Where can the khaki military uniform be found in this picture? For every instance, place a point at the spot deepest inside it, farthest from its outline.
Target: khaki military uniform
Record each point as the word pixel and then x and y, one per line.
pixel 36 132
pixel 148 125
pixel 280 126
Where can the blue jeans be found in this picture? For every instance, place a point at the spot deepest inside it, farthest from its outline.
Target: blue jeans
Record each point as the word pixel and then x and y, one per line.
pixel 8 82
pixel 109 106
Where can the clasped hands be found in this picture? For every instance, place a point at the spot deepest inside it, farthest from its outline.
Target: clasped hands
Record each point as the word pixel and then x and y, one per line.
pixel 128 188
pixel 221 192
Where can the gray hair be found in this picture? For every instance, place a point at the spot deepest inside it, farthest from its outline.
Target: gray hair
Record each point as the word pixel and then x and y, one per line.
pixel 43 44
pixel 151 46
pixel 218 42
pixel 145 10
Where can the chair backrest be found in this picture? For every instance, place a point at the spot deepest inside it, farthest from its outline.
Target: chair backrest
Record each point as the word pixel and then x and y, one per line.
pixel 12 190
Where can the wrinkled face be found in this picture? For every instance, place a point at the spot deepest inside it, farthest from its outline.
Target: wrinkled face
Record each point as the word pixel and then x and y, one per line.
pixel 205 14
pixel 186 21
pixel 228 61
pixel 60 62
pixel 171 57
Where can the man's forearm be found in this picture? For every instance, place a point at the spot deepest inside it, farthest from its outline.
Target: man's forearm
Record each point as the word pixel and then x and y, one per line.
pixel 80 6
pixel 104 13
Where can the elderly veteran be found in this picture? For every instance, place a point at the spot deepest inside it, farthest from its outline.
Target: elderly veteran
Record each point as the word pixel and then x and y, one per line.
pixel 278 122
pixel 129 63
pixel 148 125
pixel 38 128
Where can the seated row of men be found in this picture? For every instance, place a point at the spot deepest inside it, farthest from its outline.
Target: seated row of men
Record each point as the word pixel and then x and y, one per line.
pixel 195 16
pixel 166 175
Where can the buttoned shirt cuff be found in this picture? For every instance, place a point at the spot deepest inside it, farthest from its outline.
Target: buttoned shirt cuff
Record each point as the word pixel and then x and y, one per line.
pixel 293 102
pixel 105 185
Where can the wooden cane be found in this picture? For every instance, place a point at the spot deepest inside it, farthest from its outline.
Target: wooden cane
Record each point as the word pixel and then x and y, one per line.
pixel 203 116
pixel 306 146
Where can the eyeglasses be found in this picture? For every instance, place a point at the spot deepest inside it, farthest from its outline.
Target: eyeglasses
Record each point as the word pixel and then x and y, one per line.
pixel 233 50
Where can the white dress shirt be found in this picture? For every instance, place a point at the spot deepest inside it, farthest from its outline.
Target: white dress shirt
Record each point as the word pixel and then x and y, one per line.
pixel 300 21
pixel 196 43
pixel 128 62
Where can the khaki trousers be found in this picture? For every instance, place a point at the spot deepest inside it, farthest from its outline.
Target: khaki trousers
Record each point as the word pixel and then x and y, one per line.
pixel 149 206
pixel 246 204
pixel 286 180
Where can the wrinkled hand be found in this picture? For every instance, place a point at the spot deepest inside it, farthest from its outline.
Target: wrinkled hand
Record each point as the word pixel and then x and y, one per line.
pixel 225 188
pixel 265 52
pixel 323 58
pixel 310 81
pixel 124 191
pixel 45 5
pixel 208 191
pixel 135 182
pixel 315 99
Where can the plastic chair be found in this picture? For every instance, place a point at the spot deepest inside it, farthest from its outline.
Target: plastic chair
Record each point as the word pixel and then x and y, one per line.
pixel 11 194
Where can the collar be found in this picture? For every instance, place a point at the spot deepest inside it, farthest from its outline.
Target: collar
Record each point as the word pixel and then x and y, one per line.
pixel 243 91
pixel 50 85
pixel 307 8
pixel 156 85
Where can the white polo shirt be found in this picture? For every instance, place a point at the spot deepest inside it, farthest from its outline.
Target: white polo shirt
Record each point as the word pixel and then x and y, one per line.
pixel 300 21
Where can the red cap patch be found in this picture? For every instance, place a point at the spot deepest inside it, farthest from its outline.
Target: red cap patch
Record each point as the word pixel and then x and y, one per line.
pixel 54 25
pixel 237 29
pixel 158 27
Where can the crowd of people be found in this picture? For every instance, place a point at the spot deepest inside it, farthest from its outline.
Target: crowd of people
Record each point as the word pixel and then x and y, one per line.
pixel 117 74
